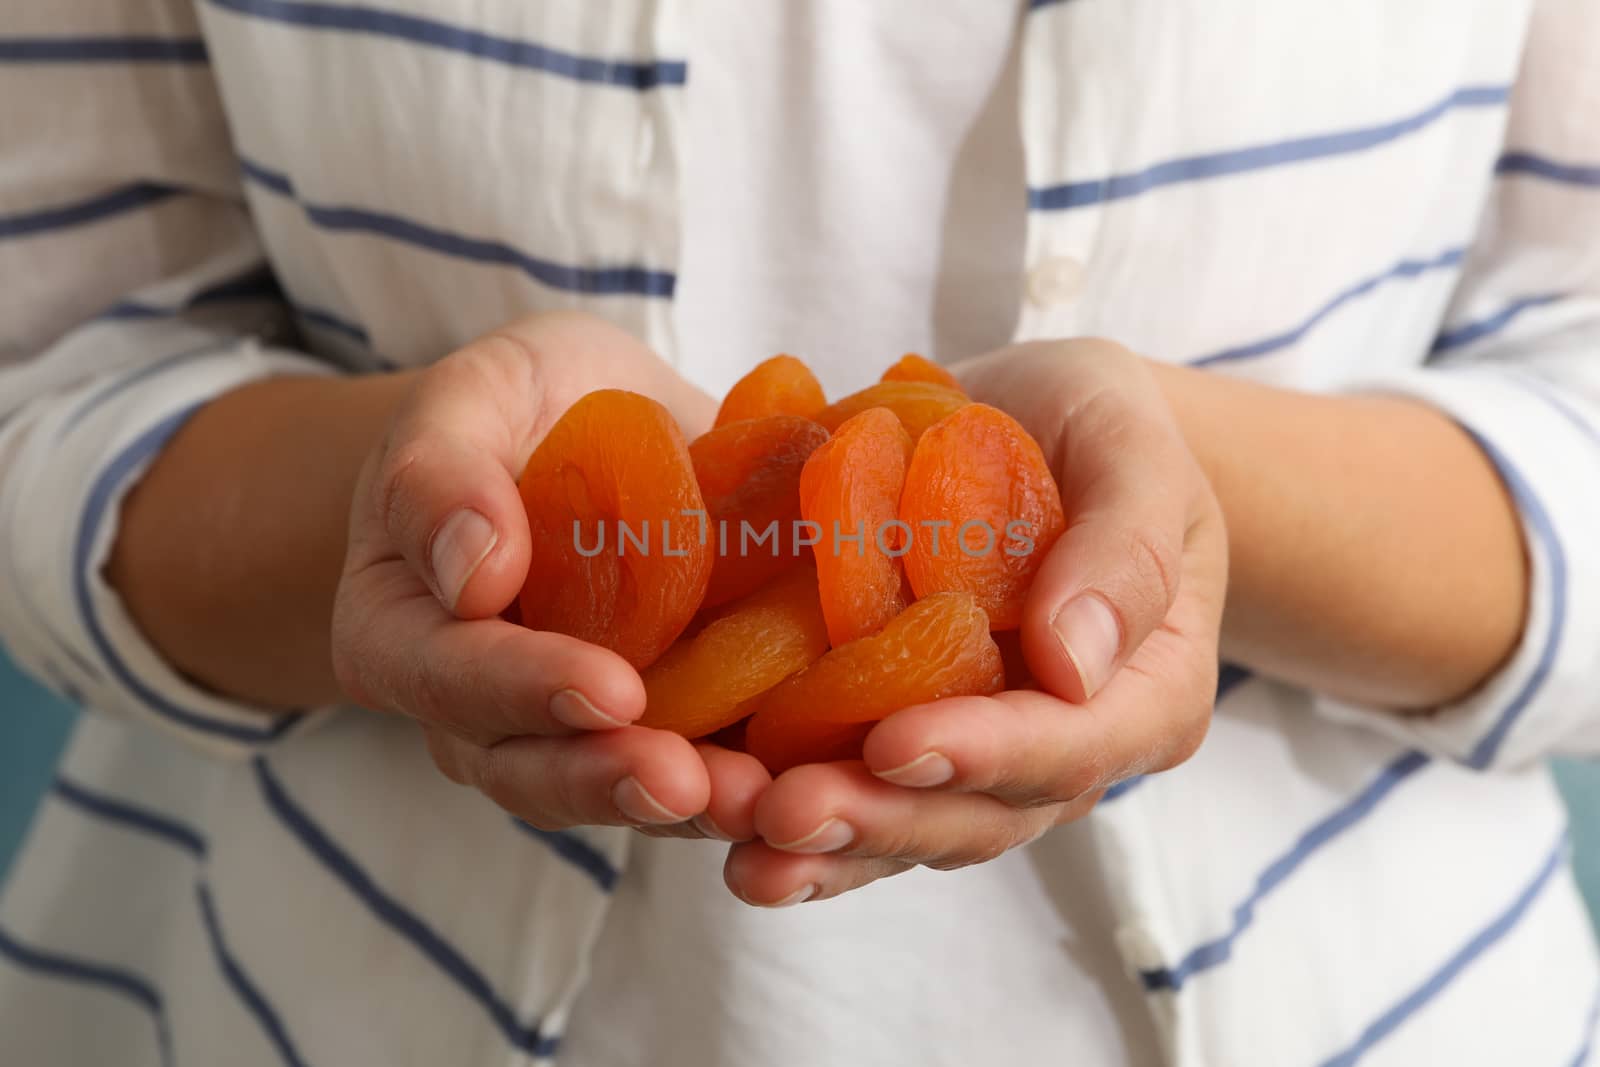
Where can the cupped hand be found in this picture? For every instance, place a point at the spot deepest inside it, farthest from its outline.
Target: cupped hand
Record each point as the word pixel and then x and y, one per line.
pixel 438 549
pixel 1120 631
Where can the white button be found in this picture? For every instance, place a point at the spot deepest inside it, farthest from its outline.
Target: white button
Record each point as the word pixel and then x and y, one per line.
pixel 1055 281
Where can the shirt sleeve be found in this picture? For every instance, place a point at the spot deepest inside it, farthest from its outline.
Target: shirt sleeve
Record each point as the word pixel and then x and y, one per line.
pixel 1518 366
pixel 134 291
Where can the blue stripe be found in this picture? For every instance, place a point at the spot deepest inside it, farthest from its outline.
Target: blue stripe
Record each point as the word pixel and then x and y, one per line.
pixel 1540 167
pixel 1418 998
pixel 254 1000
pixel 524 54
pixel 1035 5
pixel 576 851
pixel 329 321
pixel 114 979
pixel 1071 195
pixel 602 280
pixel 1406 268
pixel 1228 676
pixel 118 201
pixel 102 50
pixel 1543 389
pixel 397 917
pixel 97 399
pixel 121 467
pixel 144 821
pixel 1469 332
pixel 1589 1022
pixel 1538 519
pixel 140 820
pixel 258 284
pixel 1213 953
pixel 1123 788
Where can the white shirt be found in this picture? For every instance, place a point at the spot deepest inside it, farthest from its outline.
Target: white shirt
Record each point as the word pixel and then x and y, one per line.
pixel 835 244
pixel 1313 195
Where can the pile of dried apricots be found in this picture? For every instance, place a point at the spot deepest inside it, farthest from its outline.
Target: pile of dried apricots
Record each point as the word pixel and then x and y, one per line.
pixel 803 569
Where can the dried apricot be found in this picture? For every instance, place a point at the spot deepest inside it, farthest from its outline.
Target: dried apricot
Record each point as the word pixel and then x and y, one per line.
pixel 850 489
pixel 914 368
pixel 615 561
pixel 702 683
pixel 983 509
pixel 749 474
pixel 918 404
pixel 781 385
pixel 938 647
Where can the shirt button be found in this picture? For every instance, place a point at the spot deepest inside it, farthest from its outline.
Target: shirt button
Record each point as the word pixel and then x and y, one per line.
pixel 1055 281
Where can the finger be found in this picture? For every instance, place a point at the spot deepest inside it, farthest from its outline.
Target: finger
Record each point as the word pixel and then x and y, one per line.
pixel 1027 748
pixel 398 650
pixel 1128 484
pixel 761 875
pixel 737 782
pixel 627 777
pixel 441 492
pixel 841 808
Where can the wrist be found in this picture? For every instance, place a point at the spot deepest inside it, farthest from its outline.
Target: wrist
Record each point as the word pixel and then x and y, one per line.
pixel 228 550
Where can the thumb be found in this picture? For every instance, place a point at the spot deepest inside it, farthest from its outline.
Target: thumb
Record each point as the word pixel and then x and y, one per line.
pixel 1109 581
pixel 442 492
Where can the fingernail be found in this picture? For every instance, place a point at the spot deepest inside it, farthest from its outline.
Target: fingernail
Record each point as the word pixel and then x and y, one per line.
pixel 1089 633
pixel 636 803
pixel 928 769
pixel 461 543
pixel 574 709
pixel 831 836
pixel 799 896
pixel 703 823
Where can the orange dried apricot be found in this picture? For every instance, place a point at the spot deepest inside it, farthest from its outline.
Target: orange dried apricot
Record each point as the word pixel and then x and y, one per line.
pixel 850 488
pixel 749 475
pixel 914 368
pixel 983 509
pixel 938 647
pixel 781 385
pixel 702 683
pixel 615 561
pixel 918 404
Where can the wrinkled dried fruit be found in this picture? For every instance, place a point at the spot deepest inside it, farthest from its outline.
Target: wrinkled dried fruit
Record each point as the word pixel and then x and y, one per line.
pixel 850 489
pixel 702 684
pixel 749 474
pixel 915 368
pixel 615 562
pixel 781 385
pixel 983 509
pixel 938 647
pixel 918 404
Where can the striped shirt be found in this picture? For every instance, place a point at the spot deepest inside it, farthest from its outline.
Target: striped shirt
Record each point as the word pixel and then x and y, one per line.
pixel 1360 196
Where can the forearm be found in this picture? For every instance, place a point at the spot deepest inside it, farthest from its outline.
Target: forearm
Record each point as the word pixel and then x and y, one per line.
pixel 228 550
pixel 1375 555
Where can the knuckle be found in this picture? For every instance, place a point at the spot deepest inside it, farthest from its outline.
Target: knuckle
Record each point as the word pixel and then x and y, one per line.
pixel 983 848
pixel 447 757
pixel 1190 734
pixel 1082 776
pixel 348 675
pixel 1155 562
pixel 400 492
pixel 428 694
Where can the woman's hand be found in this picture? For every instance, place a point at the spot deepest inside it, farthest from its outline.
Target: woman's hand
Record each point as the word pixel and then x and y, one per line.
pixel 438 548
pixel 1120 631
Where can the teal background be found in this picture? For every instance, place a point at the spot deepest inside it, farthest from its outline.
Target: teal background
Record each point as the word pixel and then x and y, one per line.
pixel 34 727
